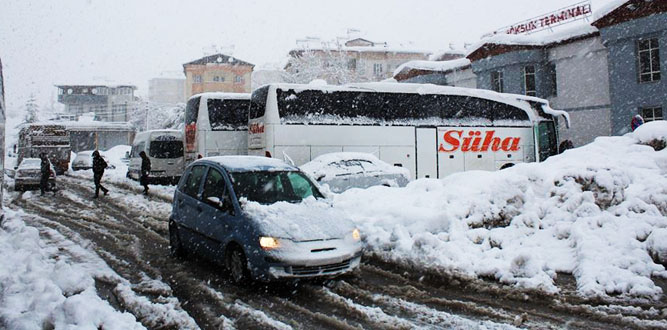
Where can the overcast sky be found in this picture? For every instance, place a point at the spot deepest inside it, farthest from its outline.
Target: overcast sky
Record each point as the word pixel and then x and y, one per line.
pixel 43 43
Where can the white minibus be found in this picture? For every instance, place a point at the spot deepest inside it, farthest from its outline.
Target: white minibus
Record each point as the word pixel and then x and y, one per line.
pixel 164 148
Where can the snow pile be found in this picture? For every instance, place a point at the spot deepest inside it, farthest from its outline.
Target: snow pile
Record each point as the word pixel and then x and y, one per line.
pixel 440 66
pixel 589 212
pixel 305 221
pixel 42 288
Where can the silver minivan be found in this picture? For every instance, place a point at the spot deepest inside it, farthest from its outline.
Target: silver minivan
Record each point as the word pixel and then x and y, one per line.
pixel 164 148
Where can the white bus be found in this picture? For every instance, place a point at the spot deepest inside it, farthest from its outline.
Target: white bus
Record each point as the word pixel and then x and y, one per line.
pixel 216 124
pixel 164 148
pixel 431 130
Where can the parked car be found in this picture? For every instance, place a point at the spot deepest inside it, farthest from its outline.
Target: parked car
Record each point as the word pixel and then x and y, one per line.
pixel 262 219
pixel 28 175
pixel 84 160
pixel 345 170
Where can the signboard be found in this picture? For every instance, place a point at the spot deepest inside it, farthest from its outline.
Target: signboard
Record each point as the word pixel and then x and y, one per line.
pixel 562 16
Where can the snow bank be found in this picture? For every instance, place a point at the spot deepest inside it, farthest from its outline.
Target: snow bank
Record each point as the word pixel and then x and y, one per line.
pixel 587 212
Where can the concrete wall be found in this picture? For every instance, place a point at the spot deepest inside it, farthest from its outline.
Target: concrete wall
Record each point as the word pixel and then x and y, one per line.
pixel 583 88
pixel 628 95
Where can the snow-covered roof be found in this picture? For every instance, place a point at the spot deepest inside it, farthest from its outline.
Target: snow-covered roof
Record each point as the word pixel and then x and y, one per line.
pixel 85 125
pixel 250 163
pixel 377 48
pixel 439 66
pixel 222 95
pixel 535 40
pixel 607 8
pixel 219 59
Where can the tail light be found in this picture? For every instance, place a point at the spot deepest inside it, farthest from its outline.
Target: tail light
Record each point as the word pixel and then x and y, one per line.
pixel 190 137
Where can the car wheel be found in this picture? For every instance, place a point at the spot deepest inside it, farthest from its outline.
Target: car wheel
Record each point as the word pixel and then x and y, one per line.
pixel 237 265
pixel 175 246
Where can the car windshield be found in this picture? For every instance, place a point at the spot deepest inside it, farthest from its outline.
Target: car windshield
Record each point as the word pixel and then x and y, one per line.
pixel 31 163
pixel 268 187
pixel 353 166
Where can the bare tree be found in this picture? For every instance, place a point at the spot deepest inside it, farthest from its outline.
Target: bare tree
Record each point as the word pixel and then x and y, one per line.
pixel 31 110
pixel 335 66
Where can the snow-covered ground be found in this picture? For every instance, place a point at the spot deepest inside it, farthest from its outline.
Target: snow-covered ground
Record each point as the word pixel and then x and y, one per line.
pixel 595 212
pixel 48 281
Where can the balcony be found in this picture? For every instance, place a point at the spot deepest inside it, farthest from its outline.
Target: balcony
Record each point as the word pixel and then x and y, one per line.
pixel 78 99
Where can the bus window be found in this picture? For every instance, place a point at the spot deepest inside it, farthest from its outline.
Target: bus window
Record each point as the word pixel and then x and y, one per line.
pixel 546 139
pixel 229 114
pixel 393 109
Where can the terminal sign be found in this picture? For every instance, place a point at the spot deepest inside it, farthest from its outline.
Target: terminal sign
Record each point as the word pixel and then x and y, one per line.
pixel 568 14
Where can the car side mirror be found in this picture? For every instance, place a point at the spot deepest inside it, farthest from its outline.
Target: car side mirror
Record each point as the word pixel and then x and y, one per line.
pixel 223 205
pixel 320 177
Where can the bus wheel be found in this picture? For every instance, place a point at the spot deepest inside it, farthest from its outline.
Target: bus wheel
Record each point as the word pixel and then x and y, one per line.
pixel 508 165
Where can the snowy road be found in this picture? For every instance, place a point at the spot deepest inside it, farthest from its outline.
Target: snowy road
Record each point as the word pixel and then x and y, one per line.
pixel 130 235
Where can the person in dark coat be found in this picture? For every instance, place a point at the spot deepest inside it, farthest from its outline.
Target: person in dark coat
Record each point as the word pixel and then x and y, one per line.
pixel 45 169
pixel 636 121
pixel 99 165
pixel 145 170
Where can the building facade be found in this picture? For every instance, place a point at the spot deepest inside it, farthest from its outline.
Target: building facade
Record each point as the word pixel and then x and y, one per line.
pixel 453 72
pixel 110 103
pixel 217 73
pixel 635 35
pixel 166 90
pixel 357 60
pixel 602 74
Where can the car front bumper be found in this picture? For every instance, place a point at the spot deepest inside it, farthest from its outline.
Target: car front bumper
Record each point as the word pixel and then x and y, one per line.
pixel 308 260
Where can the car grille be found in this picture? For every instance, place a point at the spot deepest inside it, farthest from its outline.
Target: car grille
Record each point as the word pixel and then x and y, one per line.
pixel 321 270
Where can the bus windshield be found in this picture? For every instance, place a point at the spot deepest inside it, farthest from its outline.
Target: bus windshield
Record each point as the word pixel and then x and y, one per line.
pixel 166 149
pixel 268 187
pixel 228 114
pixel 546 139
pixel 258 102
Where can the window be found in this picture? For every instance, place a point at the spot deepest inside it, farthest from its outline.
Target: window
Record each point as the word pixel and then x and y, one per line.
pixel 497 81
pixel 137 149
pixel 218 78
pixel 529 80
pixel 197 79
pixel 238 79
pixel 214 186
pixel 362 108
pixel 191 187
pixel 352 64
pixel 652 113
pixel 258 102
pixel 166 149
pixel 553 79
pixel 377 69
pixel 648 55
pixel 228 114
pixel 268 187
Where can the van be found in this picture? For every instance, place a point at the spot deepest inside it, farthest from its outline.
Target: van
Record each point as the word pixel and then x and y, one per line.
pixel 165 150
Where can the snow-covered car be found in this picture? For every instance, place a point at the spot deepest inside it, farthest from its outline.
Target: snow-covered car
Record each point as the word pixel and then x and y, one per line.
pixel 345 170
pixel 261 218
pixel 84 160
pixel 28 174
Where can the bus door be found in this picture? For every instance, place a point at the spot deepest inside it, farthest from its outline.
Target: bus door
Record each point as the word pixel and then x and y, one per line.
pixel 450 156
pixel 427 153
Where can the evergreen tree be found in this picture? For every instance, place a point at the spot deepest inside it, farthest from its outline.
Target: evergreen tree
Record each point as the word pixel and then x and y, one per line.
pixel 31 110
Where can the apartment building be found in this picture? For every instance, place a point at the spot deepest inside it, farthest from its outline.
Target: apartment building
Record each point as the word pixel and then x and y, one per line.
pixel 217 73
pixel 110 103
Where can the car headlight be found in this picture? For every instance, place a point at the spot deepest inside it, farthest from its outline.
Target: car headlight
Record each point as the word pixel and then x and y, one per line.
pixel 268 243
pixel 356 234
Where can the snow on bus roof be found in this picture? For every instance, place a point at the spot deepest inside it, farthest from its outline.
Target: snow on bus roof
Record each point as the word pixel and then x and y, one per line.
pixel 249 163
pixel 518 101
pixel 222 95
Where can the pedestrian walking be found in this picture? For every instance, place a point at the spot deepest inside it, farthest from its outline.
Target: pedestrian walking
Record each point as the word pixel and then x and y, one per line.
pixel 99 165
pixel 145 170
pixel 45 169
